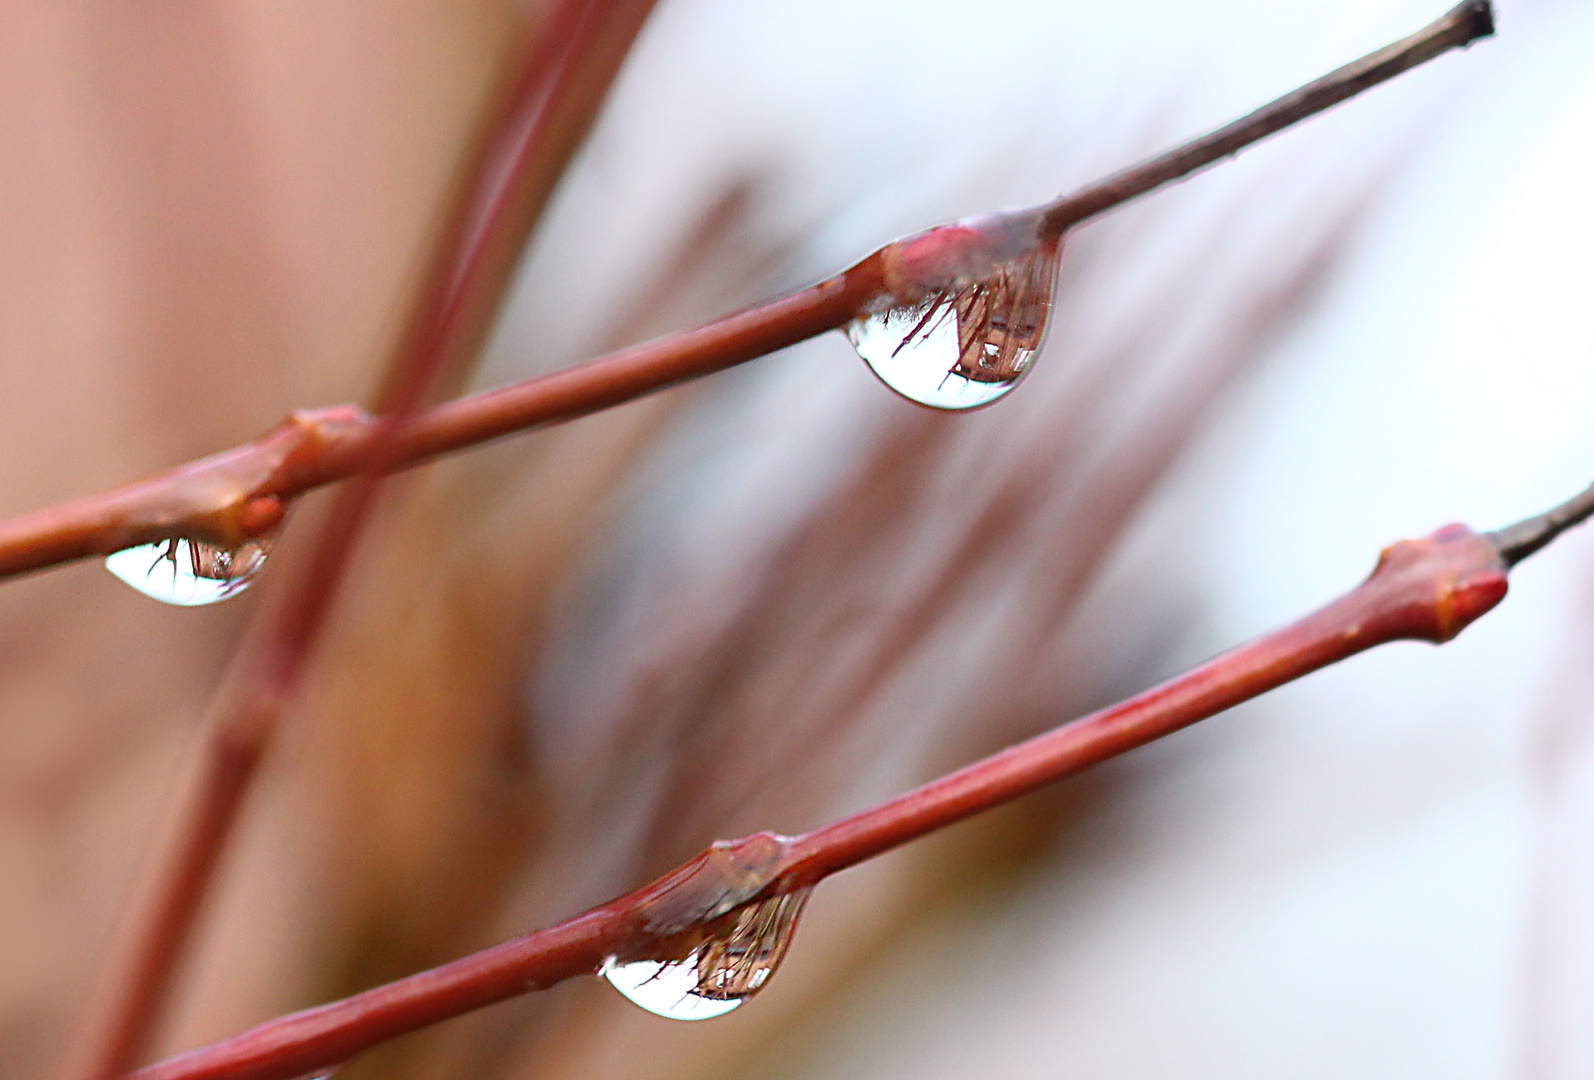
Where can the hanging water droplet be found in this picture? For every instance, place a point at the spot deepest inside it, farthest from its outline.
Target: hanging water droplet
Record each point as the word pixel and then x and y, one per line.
pixel 190 573
pixel 725 970
pixel 668 989
pixel 968 311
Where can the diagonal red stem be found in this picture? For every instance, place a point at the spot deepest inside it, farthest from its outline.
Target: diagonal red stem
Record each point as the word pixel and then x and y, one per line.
pixel 1428 589
pixel 1425 590
pixel 211 498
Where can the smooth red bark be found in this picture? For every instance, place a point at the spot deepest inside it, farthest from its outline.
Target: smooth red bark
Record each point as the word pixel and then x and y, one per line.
pixel 1428 589
pixel 204 499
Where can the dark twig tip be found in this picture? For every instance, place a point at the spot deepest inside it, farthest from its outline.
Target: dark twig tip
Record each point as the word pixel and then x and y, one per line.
pixel 1517 542
pixel 1479 16
pixel 1457 28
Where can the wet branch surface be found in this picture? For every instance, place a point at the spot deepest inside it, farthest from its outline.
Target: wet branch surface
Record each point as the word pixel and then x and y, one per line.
pixel 1428 589
pixel 226 497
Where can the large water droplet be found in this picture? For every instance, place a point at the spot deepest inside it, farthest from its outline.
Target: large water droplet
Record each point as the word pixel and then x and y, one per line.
pixel 190 573
pixel 725 970
pixel 969 339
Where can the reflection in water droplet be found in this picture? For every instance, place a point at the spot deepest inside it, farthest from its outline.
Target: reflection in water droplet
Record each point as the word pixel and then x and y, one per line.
pixel 190 573
pixel 719 974
pixel 969 341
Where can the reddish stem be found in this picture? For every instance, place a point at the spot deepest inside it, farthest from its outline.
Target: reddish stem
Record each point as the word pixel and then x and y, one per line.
pixel 204 498
pixel 1428 589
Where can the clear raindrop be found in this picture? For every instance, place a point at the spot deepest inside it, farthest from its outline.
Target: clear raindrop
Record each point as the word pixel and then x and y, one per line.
pixel 721 973
pixel 969 341
pixel 190 573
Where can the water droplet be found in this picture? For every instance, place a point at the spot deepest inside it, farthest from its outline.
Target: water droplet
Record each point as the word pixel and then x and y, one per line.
pixel 732 965
pixel 190 573
pixel 967 312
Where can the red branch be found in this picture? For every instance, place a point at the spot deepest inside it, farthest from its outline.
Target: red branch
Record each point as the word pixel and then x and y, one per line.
pixel 222 497
pixel 1428 589
pixel 560 83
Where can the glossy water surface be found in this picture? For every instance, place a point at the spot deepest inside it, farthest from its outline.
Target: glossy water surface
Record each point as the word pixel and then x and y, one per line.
pixel 190 573
pixel 719 974
pixel 964 345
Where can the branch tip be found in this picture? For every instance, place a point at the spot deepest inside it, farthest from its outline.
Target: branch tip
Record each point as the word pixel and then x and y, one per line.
pixel 1477 16
pixel 1517 542
pixel 1457 28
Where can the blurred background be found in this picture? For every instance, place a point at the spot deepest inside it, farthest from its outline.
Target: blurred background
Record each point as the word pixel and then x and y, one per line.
pixel 568 661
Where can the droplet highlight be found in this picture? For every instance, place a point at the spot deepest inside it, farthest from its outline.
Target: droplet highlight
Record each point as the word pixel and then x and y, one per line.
pixel 725 970
pixel 190 573
pixel 965 317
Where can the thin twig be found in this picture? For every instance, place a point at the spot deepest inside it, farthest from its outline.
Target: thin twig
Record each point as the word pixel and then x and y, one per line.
pixel 213 498
pixel 1517 542
pixel 1428 589
pixel 1462 25
pixel 561 80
